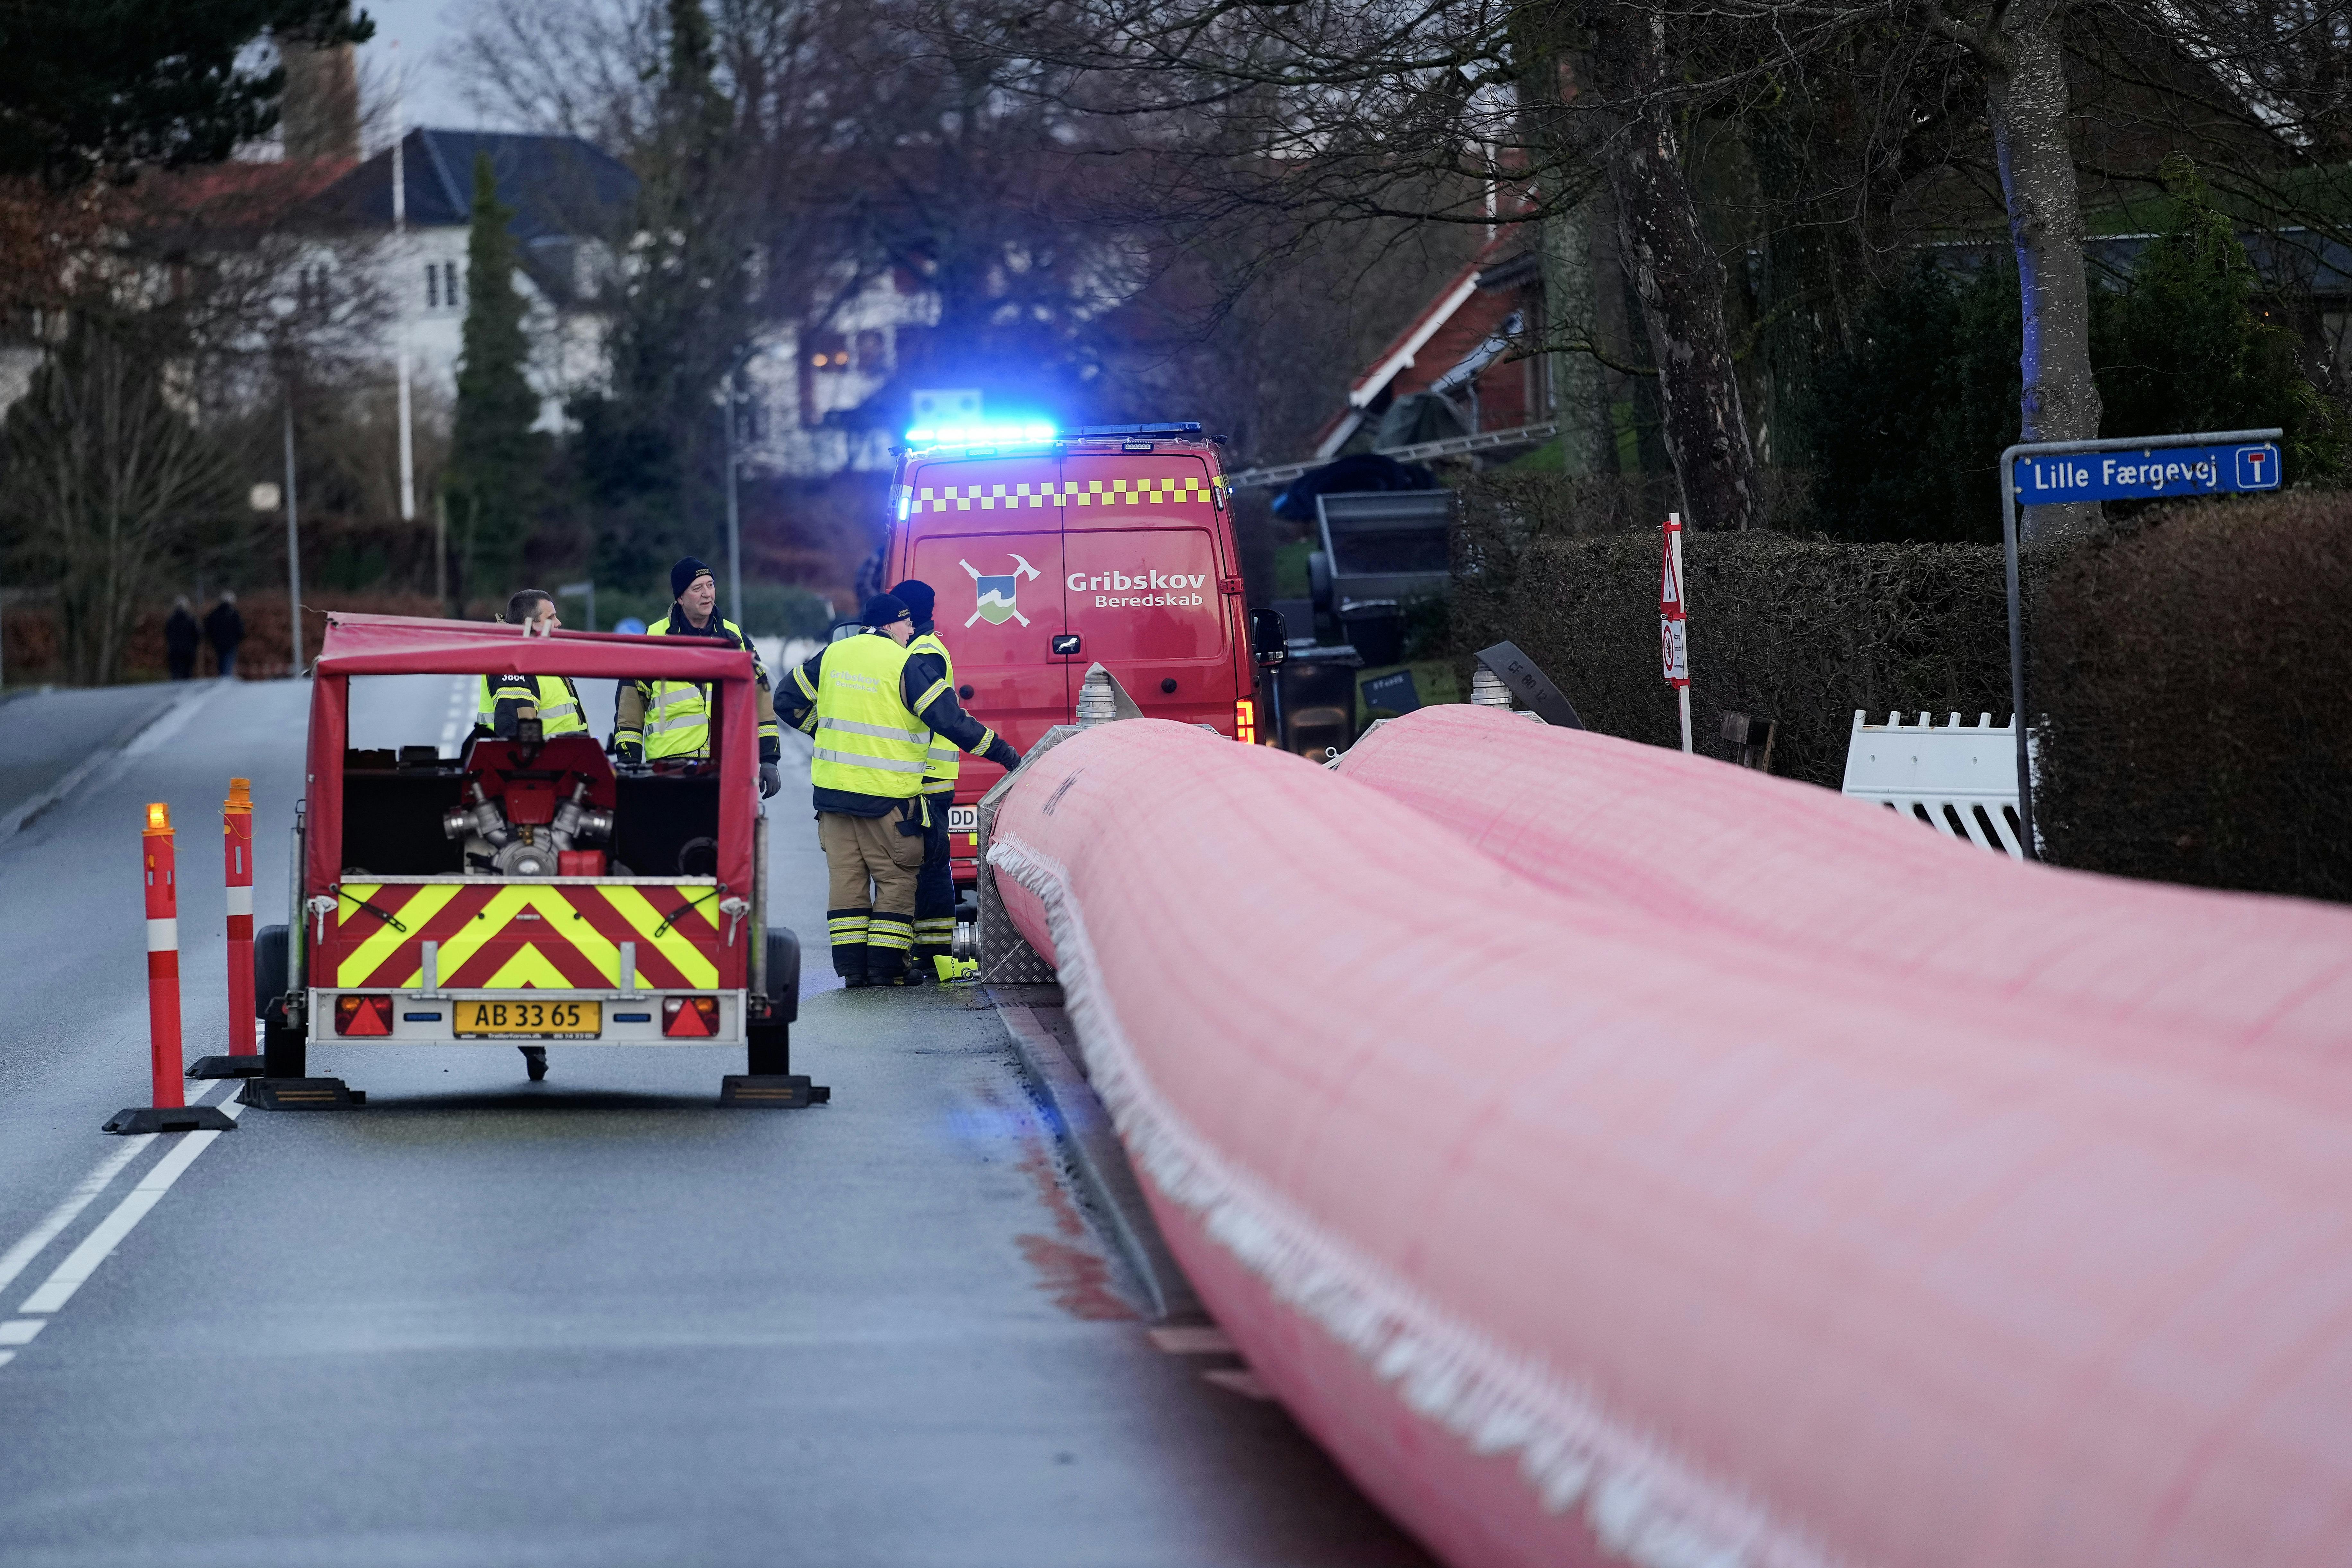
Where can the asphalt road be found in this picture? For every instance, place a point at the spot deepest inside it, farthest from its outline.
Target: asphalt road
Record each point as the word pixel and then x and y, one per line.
pixel 593 1321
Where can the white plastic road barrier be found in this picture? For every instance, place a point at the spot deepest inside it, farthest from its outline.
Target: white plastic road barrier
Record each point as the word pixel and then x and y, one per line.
pixel 1828 879
pixel 1963 780
pixel 1579 1233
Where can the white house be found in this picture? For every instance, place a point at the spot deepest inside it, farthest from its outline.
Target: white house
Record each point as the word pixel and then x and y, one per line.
pixel 567 195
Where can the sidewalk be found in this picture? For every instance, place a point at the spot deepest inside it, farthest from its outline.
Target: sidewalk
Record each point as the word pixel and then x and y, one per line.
pixel 51 732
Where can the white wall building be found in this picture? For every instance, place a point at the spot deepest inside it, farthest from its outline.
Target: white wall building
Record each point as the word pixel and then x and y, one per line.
pixel 566 193
pixel 807 390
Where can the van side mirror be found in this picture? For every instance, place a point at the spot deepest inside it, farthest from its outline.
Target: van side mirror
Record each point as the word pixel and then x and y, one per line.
pixel 1269 637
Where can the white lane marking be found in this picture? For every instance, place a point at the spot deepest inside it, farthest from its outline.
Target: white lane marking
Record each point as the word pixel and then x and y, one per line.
pixel 6 1356
pixel 20 1331
pixel 13 1261
pixel 82 1262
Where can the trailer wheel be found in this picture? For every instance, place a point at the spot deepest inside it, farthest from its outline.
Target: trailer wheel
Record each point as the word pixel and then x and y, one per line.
pixel 268 968
pixel 784 972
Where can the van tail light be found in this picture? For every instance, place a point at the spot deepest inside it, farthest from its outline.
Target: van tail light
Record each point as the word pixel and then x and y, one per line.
pixel 690 1017
pixel 1245 721
pixel 364 1014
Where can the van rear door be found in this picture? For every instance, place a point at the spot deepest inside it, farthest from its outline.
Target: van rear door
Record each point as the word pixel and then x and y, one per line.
pixel 1142 566
pixel 986 534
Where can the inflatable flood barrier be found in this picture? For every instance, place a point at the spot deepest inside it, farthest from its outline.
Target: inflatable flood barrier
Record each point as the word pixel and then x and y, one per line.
pixel 1698 843
pixel 1581 1236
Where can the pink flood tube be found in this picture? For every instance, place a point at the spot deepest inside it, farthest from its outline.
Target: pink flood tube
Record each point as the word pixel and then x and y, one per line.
pixel 1713 847
pixel 1581 1235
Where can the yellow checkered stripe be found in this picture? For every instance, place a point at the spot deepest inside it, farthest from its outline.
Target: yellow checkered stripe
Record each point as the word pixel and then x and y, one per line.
pixel 1168 491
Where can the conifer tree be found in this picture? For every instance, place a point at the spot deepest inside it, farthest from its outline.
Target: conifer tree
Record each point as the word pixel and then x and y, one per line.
pixel 495 456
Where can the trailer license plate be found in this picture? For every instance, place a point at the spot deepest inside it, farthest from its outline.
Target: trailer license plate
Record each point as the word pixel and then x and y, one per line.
pixel 963 819
pixel 547 1020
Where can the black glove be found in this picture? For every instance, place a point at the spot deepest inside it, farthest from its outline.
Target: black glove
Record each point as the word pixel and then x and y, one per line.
pixel 629 753
pixel 1003 755
pixel 771 779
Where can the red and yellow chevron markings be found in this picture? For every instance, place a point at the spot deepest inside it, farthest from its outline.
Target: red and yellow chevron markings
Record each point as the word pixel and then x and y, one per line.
pixel 525 936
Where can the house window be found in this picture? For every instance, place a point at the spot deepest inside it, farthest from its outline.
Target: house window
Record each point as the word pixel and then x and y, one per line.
pixel 440 285
pixel 449 284
pixel 828 352
pixel 432 285
pixel 873 357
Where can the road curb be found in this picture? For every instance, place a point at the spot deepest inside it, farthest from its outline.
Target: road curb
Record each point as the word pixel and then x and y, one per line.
pixel 24 815
pixel 1085 1129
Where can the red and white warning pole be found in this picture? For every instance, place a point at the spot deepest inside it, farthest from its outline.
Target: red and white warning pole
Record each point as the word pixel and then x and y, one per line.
pixel 237 864
pixel 1672 630
pixel 163 957
pixel 170 1112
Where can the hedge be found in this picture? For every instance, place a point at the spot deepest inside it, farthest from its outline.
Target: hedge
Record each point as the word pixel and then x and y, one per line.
pixel 2194 669
pixel 2190 665
pixel 1804 631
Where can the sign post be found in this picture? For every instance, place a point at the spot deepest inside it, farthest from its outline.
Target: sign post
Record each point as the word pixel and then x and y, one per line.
pixel 2141 467
pixel 1674 640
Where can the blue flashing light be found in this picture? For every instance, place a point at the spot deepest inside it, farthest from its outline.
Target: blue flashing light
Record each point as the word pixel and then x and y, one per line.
pixel 975 435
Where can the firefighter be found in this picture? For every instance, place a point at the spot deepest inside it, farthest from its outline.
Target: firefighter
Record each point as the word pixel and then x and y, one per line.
pixel 874 711
pixel 554 697
pixel 935 894
pixel 656 721
pixel 557 703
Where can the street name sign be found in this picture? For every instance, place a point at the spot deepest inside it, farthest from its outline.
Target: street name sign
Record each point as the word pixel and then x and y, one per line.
pixel 2151 474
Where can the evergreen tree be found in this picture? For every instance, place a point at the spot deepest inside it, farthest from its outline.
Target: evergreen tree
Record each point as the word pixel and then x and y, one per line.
pixel 2188 344
pixel 649 449
pixel 1908 424
pixel 495 456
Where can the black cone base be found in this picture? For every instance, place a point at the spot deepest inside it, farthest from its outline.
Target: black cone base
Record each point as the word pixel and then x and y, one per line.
pixel 771 1091
pixel 227 1067
pixel 171 1118
pixel 299 1094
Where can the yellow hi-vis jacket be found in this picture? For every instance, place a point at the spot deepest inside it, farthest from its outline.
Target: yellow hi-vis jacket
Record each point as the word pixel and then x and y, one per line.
pixel 673 716
pixel 867 741
pixel 945 762
pixel 557 700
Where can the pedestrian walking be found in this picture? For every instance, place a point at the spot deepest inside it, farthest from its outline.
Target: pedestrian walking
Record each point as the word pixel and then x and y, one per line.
pixel 225 628
pixel 935 896
pixel 181 635
pixel 873 727
pixel 669 720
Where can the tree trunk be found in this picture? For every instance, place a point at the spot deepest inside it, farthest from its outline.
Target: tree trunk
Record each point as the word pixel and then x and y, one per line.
pixel 1676 276
pixel 1547 38
pixel 2028 105
pixel 1579 401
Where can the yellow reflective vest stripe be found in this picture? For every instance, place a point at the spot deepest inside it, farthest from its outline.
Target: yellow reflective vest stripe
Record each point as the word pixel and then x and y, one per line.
pixel 943 761
pixel 867 743
pixel 678 712
pixel 559 705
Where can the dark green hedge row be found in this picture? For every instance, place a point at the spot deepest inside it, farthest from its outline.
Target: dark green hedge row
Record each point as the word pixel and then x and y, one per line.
pixel 1804 631
pixel 2193 666
pixel 2193 671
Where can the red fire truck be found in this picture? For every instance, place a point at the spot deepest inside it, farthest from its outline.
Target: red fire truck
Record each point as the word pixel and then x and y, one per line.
pixel 525 891
pixel 1052 552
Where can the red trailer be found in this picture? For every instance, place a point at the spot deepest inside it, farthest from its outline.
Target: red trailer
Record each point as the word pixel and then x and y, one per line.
pixel 526 891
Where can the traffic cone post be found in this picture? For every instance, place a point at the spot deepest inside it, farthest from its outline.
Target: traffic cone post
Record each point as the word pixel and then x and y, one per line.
pixel 244 1058
pixel 170 1112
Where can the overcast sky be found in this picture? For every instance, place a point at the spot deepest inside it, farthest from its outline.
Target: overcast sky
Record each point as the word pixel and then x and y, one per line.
pixel 420 27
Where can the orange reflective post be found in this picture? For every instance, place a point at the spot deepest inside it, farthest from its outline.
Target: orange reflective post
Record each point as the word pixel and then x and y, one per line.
pixel 162 956
pixel 236 866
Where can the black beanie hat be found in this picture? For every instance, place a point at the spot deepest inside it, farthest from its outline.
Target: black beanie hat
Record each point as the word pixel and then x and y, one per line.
pixel 916 596
pixel 683 573
pixel 882 610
